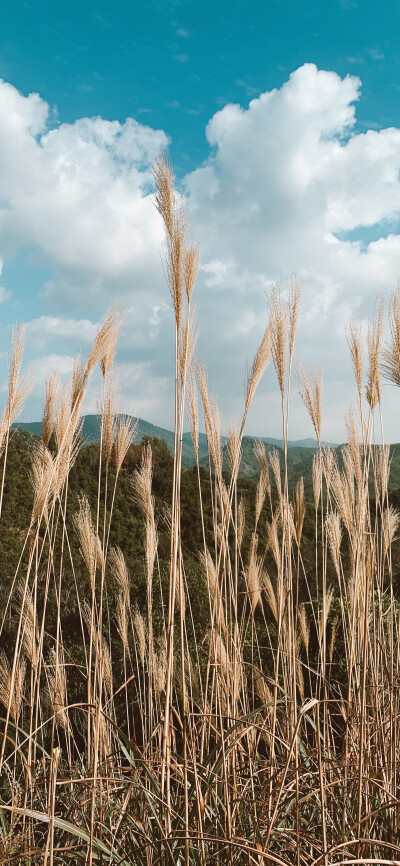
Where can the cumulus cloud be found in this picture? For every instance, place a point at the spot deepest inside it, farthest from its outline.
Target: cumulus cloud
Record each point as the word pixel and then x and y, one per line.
pixel 80 193
pixel 290 185
pixel 287 178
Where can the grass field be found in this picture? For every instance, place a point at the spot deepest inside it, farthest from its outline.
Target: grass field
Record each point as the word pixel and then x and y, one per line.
pixel 272 735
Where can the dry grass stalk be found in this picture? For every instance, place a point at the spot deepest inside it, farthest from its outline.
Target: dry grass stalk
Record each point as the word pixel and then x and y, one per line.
pixel 299 509
pixel 233 448
pixel 90 543
pixel 50 407
pixel 271 595
pixel 260 363
pixel 140 632
pixel 119 571
pixel 334 534
pixel 374 341
pixel 304 627
pixel 317 477
pixel 126 434
pixel 279 323
pixel 42 476
pixel 105 342
pixel 30 626
pixel 311 393
pixel 354 341
pixel 108 412
pixel 191 267
pixel 253 575
pixel 241 521
pixel 275 462
pixel 12 697
pixel 193 413
pixel 174 219
pixel 390 525
pixel 391 351
pixel 57 686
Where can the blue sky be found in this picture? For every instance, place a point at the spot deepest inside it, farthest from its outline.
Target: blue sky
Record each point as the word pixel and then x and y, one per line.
pixel 178 69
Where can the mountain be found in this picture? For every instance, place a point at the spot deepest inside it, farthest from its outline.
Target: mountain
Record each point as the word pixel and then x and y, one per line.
pixel 300 452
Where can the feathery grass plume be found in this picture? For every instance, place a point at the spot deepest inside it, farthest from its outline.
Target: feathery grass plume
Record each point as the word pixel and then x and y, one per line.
pixel 261 457
pixel 293 309
pixel 105 342
pixel 108 411
pixel 140 632
pixel 122 620
pixel 374 340
pixel 11 699
pixel 260 363
pixel 261 687
pixel 354 342
pixel 104 655
pixel 57 686
pixel 50 406
pixel 126 434
pixel 78 387
pixel 329 465
pixel 391 353
pixel 119 571
pixel 159 670
pixel 221 655
pixel 354 447
pixel 18 389
pixel 390 525
pixel 211 421
pixel 279 323
pixel 42 478
pixel 187 343
pixel 272 539
pixel 193 412
pixel 174 219
pixel 310 390
pixel 261 492
pixel 270 594
pixel 253 574
pixel 299 509
pixel 342 484
pixel 142 483
pixel 303 626
pixel 334 534
pixel 275 462
pixel 326 610
pixel 233 448
pixel 317 477
pixel 63 416
pixel 382 470
pixel 212 580
pixel 191 267
pixel 30 626
pixel 90 543
pixel 241 521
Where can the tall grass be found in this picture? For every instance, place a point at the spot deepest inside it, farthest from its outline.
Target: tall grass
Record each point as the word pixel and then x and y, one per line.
pixel 271 738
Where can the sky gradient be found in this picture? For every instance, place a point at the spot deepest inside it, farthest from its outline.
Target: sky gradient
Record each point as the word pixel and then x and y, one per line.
pixel 282 121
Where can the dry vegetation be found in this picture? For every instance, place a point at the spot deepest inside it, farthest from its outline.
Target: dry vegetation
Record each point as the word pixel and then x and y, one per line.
pixel 207 748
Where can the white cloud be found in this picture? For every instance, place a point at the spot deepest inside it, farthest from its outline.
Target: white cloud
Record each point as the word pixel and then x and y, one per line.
pixel 286 178
pixel 79 192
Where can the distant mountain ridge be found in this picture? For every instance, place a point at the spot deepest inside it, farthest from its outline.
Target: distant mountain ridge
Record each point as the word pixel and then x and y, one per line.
pixel 91 433
pixel 300 452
